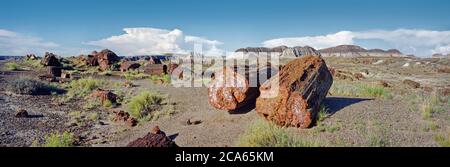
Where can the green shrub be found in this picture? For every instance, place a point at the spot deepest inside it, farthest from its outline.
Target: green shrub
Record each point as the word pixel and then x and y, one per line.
pixel 65 139
pixel 264 134
pixel 432 104
pixel 12 66
pixel 443 140
pixel 29 86
pixel 143 104
pixel 340 88
pixel 135 74
pixel 23 65
pixel 83 87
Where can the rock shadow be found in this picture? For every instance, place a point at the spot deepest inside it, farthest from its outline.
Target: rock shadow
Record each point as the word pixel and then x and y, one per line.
pixel 335 104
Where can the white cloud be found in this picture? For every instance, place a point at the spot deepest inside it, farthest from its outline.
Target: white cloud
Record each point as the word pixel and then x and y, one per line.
pixel 144 41
pixel 442 49
pixel 318 42
pixel 209 47
pixel 13 43
pixel 409 41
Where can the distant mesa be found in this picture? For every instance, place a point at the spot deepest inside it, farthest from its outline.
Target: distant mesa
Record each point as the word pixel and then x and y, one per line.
pixel 357 51
pixel 284 51
pixel 337 51
pixel 440 56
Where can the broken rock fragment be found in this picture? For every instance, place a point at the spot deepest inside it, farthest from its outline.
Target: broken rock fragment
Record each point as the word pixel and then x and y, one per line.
pixel 156 138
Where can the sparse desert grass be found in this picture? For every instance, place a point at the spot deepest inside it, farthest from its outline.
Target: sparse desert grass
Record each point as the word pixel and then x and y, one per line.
pixel 341 88
pixel 165 78
pixel 92 103
pixel 432 104
pixel 12 66
pixel 29 86
pixel 83 87
pixel 93 116
pixel 143 104
pixel 134 75
pixel 23 65
pixel 167 111
pixel 443 140
pixel 65 139
pixel 376 136
pixel 264 134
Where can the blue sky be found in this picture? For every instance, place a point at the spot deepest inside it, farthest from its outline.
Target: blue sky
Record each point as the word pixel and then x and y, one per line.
pixel 73 26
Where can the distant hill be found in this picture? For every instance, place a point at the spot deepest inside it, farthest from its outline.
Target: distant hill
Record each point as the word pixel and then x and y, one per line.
pixel 284 51
pixel 440 56
pixel 2 57
pixel 357 51
pixel 337 51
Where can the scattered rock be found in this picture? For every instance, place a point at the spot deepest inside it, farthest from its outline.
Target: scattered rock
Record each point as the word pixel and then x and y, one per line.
pixel 154 60
pixel 130 122
pixel 106 58
pixel 65 75
pixel 302 85
pixel 21 113
pixel 129 65
pixel 158 82
pixel 444 70
pixel 358 76
pixel 156 138
pixel 31 57
pixel 155 69
pixel 122 116
pixel 54 71
pixel 105 95
pixel 128 84
pixel 195 122
pixel 411 83
pixel 384 83
pixel 365 72
pixel 50 59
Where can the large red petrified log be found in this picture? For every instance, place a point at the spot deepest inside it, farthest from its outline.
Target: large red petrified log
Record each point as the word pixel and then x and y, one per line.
pixel 235 87
pixel 303 84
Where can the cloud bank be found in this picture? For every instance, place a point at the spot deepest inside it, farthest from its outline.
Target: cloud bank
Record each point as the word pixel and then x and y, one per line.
pixel 145 41
pixel 12 43
pixel 410 41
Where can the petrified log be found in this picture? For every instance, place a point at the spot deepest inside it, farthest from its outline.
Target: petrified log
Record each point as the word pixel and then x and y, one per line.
pixel 122 116
pixel 411 83
pixel 154 60
pixel 50 60
pixel 155 69
pixel 91 60
pixel 129 65
pixel 156 138
pixel 105 95
pixel 302 85
pixel 235 87
pixel 54 71
pixel 21 113
pixel 106 58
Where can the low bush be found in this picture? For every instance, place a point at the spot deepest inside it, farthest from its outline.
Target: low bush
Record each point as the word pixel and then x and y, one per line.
pixel 264 134
pixel 65 139
pixel 29 86
pixel 145 103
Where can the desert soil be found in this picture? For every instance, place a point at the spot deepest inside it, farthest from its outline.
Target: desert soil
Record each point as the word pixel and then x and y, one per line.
pixel 351 122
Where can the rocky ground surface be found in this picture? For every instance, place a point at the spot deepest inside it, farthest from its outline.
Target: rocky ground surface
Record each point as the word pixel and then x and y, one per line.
pixel 352 121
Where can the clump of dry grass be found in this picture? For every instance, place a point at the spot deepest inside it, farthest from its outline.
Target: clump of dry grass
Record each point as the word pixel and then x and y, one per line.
pixel 341 88
pixel 264 134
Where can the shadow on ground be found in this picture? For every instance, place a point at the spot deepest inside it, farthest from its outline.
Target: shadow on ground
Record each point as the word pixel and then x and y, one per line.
pixel 335 104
